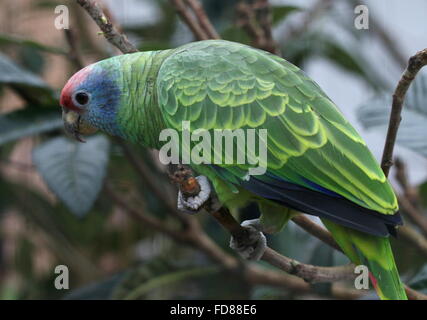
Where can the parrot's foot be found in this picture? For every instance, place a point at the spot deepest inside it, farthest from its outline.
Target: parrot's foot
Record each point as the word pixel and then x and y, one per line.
pixel 193 204
pixel 252 247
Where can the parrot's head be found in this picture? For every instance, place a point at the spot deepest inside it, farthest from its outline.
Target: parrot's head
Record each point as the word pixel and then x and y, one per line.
pixel 90 101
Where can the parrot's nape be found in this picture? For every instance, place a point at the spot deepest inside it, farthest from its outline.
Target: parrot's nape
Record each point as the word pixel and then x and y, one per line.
pixel 316 161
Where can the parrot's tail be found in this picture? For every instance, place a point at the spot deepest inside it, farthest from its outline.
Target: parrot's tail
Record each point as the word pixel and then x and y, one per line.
pixel 374 252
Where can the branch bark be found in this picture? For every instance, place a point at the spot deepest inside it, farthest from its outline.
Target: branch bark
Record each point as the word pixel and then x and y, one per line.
pixel 316 230
pixel 416 62
pixel 255 19
pixel 309 17
pixel 188 18
pixel 203 19
pixel 110 32
pixel 73 52
pixel 385 37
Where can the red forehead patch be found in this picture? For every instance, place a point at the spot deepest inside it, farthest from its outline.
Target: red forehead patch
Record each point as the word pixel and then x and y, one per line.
pixel 65 100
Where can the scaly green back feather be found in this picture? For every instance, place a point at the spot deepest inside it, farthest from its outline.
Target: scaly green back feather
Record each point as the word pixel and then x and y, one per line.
pixel 225 85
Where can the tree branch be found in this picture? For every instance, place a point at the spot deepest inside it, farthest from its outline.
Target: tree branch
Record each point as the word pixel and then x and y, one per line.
pixel 385 37
pixel 409 199
pixel 316 230
pixel 203 19
pixel 310 15
pixel 110 32
pixel 411 193
pixel 414 238
pixel 253 274
pixel 146 176
pixel 309 273
pixel 415 64
pixel 73 53
pixel 255 19
pixel 187 17
pixel 145 219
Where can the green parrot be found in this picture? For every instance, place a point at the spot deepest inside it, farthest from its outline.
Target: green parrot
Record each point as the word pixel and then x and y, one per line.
pixel 316 162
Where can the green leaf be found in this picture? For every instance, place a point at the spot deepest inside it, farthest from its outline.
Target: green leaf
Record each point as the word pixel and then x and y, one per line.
pixel 170 278
pixel 347 57
pixel 32 59
pixel 45 4
pixel 375 113
pixel 101 290
pixel 74 171
pixel 29 121
pixel 7 39
pixel 352 60
pixel 236 34
pixel 299 50
pixel 29 86
pixel 280 13
pixel 158 278
pixel 154 45
pixel 294 242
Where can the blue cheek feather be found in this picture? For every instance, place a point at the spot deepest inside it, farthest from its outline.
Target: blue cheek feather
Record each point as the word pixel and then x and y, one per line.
pixel 105 101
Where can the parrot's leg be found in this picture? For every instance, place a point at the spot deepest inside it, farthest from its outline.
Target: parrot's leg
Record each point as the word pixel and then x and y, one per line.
pixel 193 204
pixel 253 246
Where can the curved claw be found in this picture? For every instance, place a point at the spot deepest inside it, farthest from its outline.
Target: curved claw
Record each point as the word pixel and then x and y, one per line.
pixel 193 204
pixel 253 246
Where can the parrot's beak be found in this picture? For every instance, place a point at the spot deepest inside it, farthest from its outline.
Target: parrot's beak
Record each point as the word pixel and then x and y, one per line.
pixel 75 126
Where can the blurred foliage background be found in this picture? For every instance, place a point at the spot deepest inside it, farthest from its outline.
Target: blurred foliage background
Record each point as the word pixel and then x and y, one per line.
pixel 54 209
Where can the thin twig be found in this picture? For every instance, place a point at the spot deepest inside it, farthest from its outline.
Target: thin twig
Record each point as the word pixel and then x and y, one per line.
pixel 203 19
pixel 110 32
pixel 73 53
pixel 254 274
pixel 310 273
pixel 246 20
pixel 263 15
pixel 385 37
pixel 413 237
pixel 148 221
pixel 409 200
pixel 414 214
pixel 415 64
pixel 309 17
pixel 255 19
pixel 195 27
pixel 316 230
pixel 145 174
pixel 411 193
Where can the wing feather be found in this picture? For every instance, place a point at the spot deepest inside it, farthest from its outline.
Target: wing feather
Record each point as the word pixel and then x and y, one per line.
pixel 224 85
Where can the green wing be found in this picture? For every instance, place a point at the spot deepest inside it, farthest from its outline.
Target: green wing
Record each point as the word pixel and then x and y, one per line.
pixel 224 85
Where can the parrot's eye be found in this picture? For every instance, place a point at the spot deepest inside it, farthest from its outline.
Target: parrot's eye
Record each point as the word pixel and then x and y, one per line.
pixel 81 98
